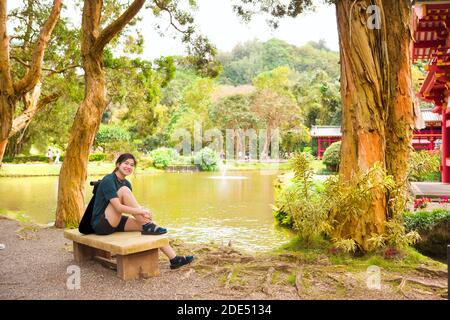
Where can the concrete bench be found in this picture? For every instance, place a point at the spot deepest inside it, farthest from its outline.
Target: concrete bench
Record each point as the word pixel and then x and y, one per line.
pixel 135 255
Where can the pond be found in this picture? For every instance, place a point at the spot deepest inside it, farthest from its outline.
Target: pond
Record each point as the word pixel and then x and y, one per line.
pixel 195 207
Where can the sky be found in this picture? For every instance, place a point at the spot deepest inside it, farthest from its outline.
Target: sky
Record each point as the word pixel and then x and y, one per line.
pixel 217 21
pixel 220 24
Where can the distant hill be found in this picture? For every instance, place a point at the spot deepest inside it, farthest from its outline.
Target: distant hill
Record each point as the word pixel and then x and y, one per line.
pixel 249 59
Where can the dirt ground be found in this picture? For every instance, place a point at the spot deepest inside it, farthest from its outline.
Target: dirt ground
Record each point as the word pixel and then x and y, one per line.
pixel 34 262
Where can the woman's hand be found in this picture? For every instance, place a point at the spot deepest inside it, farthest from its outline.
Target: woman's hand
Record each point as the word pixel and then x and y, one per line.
pixel 143 219
pixel 144 215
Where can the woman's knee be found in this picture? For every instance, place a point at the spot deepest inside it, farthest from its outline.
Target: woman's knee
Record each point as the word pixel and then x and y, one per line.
pixel 124 190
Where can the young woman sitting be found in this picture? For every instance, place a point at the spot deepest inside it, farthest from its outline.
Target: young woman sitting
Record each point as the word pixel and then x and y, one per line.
pixel 114 197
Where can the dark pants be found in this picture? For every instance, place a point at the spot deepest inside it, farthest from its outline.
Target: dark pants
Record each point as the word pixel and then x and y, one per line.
pixel 103 227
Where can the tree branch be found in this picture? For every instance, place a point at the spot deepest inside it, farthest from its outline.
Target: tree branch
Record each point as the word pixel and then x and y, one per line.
pixel 21 121
pixel 164 8
pixel 51 71
pixel 116 26
pixel 33 74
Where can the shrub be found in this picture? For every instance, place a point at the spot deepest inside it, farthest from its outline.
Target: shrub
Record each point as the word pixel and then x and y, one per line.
pixel 162 157
pixel 97 157
pixel 207 159
pixel 332 156
pixel 434 230
pixel 111 137
pixel 424 166
pixel 425 220
pixel 146 162
pixel 299 204
pixel 24 159
pixel 350 200
pixel 308 150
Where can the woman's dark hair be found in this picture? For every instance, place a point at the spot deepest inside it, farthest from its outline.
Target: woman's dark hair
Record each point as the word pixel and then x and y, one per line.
pixel 124 157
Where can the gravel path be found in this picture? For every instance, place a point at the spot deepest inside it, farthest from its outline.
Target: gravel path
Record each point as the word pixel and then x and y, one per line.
pixel 34 262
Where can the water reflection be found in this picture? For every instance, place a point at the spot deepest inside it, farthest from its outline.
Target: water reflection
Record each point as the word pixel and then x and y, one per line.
pixel 195 207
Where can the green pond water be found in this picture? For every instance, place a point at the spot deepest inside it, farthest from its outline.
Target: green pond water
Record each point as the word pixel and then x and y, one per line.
pixel 195 207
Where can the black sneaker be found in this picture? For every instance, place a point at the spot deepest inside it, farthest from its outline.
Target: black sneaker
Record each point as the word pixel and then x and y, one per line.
pixel 180 261
pixel 152 229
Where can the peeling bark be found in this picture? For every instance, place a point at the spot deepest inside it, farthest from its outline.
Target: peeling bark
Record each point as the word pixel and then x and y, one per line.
pixel 377 101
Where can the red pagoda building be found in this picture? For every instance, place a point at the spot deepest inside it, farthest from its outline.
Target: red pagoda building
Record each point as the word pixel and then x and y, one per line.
pixel 427 137
pixel 431 24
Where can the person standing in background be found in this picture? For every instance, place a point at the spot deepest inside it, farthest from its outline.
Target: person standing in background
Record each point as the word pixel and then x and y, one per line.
pixel 58 154
pixel 50 155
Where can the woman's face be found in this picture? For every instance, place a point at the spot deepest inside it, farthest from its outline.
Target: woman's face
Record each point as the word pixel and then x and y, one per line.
pixel 126 167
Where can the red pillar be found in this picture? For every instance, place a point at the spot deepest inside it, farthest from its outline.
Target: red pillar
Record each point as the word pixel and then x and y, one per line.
pixel 445 147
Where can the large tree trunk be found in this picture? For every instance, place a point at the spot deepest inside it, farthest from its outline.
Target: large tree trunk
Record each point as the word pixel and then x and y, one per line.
pixel 74 168
pixel 400 123
pixel 11 92
pixel 7 98
pixel 377 102
pixel 87 120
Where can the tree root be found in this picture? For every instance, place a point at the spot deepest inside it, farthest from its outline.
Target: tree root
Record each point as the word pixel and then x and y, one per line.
pixel 435 273
pixel 298 283
pixel 267 284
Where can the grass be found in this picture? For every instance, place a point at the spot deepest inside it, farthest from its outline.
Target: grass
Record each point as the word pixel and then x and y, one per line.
pixel 318 166
pixel 45 169
pixel 15 215
pixel 409 258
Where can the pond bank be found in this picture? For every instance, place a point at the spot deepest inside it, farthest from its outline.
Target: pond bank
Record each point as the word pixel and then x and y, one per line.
pixel 35 260
pixel 103 168
pixel 45 169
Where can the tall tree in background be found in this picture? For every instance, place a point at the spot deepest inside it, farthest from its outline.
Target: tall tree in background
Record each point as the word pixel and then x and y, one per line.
pixel 28 86
pixel 273 102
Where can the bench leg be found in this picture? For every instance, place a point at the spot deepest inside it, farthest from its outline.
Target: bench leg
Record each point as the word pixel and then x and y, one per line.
pixel 142 264
pixel 84 253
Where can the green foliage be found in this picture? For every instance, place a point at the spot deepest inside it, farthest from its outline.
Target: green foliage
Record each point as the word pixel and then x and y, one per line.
pixel 97 157
pixel 346 245
pixel 25 159
pixel 233 112
pixel 332 155
pixel 162 157
pixel 424 166
pixel 111 137
pixel 434 230
pixel 425 220
pixel 313 79
pixel 207 159
pixel 254 57
pixel 395 235
pixel 300 204
pixel 146 162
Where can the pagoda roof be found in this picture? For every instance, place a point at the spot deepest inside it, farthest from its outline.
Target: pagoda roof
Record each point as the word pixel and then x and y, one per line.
pixel 431 31
pixel 326 131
